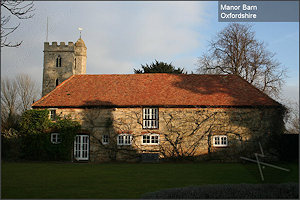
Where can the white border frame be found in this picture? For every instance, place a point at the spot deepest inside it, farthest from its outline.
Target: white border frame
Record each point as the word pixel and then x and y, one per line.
pixel 51 109
pixel 119 144
pixel 81 143
pixel 103 139
pixel 156 118
pixel 151 134
pixel 220 145
pixel 57 135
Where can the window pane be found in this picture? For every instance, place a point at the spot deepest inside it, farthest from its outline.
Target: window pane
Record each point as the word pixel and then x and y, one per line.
pixel 129 139
pixel 154 139
pixel 217 140
pixel 224 142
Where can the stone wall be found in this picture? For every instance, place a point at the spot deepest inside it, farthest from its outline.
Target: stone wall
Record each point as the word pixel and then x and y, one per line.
pixel 184 132
pixel 73 61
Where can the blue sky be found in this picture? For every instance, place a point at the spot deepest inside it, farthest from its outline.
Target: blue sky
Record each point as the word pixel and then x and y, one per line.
pixel 121 36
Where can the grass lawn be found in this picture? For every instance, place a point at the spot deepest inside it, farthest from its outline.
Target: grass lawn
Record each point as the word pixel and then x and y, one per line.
pixel 70 180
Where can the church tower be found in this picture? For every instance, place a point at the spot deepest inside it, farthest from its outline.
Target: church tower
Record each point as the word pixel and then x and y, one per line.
pixel 62 61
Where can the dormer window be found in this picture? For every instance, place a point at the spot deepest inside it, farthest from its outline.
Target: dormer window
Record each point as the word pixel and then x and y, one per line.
pixel 58 61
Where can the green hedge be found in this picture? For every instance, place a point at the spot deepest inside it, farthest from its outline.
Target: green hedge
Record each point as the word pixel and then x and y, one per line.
pixel 32 139
pixel 229 191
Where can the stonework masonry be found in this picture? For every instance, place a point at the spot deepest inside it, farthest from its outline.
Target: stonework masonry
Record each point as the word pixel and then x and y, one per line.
pixel 193 126
pixel 72 61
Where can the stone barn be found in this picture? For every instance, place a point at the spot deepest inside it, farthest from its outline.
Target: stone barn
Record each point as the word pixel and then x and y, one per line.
pixel 149 116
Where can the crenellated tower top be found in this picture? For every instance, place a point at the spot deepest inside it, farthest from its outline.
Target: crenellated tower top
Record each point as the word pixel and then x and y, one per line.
pixel 62 61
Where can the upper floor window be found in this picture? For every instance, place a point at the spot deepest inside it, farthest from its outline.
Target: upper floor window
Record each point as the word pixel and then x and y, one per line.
pixel 124 139
pixel 150 118
pixel 55 138
pixel 56 82
pixel 58 61
pixel 105 139
pixel 220 141
pixel 52 115
pixel 75 63
pixel 150 139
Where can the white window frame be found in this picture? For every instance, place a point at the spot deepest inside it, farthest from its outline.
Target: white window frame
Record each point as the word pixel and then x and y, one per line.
pixel 55 138
pixel 220 138
pixel 124 138
pixel 150 118
pixel 151 135
pixel 51 115
pixel 105 140
pixel 81 147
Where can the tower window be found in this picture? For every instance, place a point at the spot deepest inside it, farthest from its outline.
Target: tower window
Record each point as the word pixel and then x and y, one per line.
pixel 56 82
pixel 75 63
pixel 58 61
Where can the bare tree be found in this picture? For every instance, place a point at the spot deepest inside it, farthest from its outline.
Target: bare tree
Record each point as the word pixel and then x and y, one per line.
pixel 235 50
pixel 17 95
pixel 9 98
pixel 292 119
pixel 27 91
pixel 100 122
pixel 19 9
pixel 184 134
pixel 190 133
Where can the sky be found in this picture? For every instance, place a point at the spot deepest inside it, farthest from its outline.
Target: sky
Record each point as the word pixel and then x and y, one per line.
pixel 121 36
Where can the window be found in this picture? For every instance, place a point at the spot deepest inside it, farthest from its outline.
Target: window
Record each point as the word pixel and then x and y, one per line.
pixel 124 139
pixel 55 138
pixel 150 139
pixel 220 141
pixel 56 82
pixel 150 118
pixel 75 63
pixel 58 61
pixel 105 139
pixel 52 115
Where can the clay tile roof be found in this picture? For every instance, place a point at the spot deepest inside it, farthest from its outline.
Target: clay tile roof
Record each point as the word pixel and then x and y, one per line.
pixel 157 89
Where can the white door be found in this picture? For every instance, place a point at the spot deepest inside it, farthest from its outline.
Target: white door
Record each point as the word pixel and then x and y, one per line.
pixel 81 147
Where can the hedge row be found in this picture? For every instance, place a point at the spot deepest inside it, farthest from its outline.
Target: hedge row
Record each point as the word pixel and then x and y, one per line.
pixel 31 139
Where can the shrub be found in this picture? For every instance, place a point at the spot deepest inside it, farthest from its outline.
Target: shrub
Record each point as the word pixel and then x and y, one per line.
pixel 34 122
pixel 67 130
pixel 10 145
pixel 33 138
pixel 229 191
pixel 287 147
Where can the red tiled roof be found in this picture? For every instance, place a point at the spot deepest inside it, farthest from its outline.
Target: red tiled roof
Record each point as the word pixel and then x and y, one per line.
pixel 154 90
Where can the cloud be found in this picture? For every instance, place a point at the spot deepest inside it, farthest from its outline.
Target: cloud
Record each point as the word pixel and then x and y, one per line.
pixel 119 36
pixel 149 31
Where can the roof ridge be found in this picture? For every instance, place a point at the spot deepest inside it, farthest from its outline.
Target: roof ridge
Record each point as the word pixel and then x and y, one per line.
pixel 53 90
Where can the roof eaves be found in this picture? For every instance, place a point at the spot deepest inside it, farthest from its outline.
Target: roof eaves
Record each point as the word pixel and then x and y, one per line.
pixel 41 99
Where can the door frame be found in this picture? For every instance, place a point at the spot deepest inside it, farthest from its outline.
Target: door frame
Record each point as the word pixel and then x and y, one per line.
pixel 88 149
